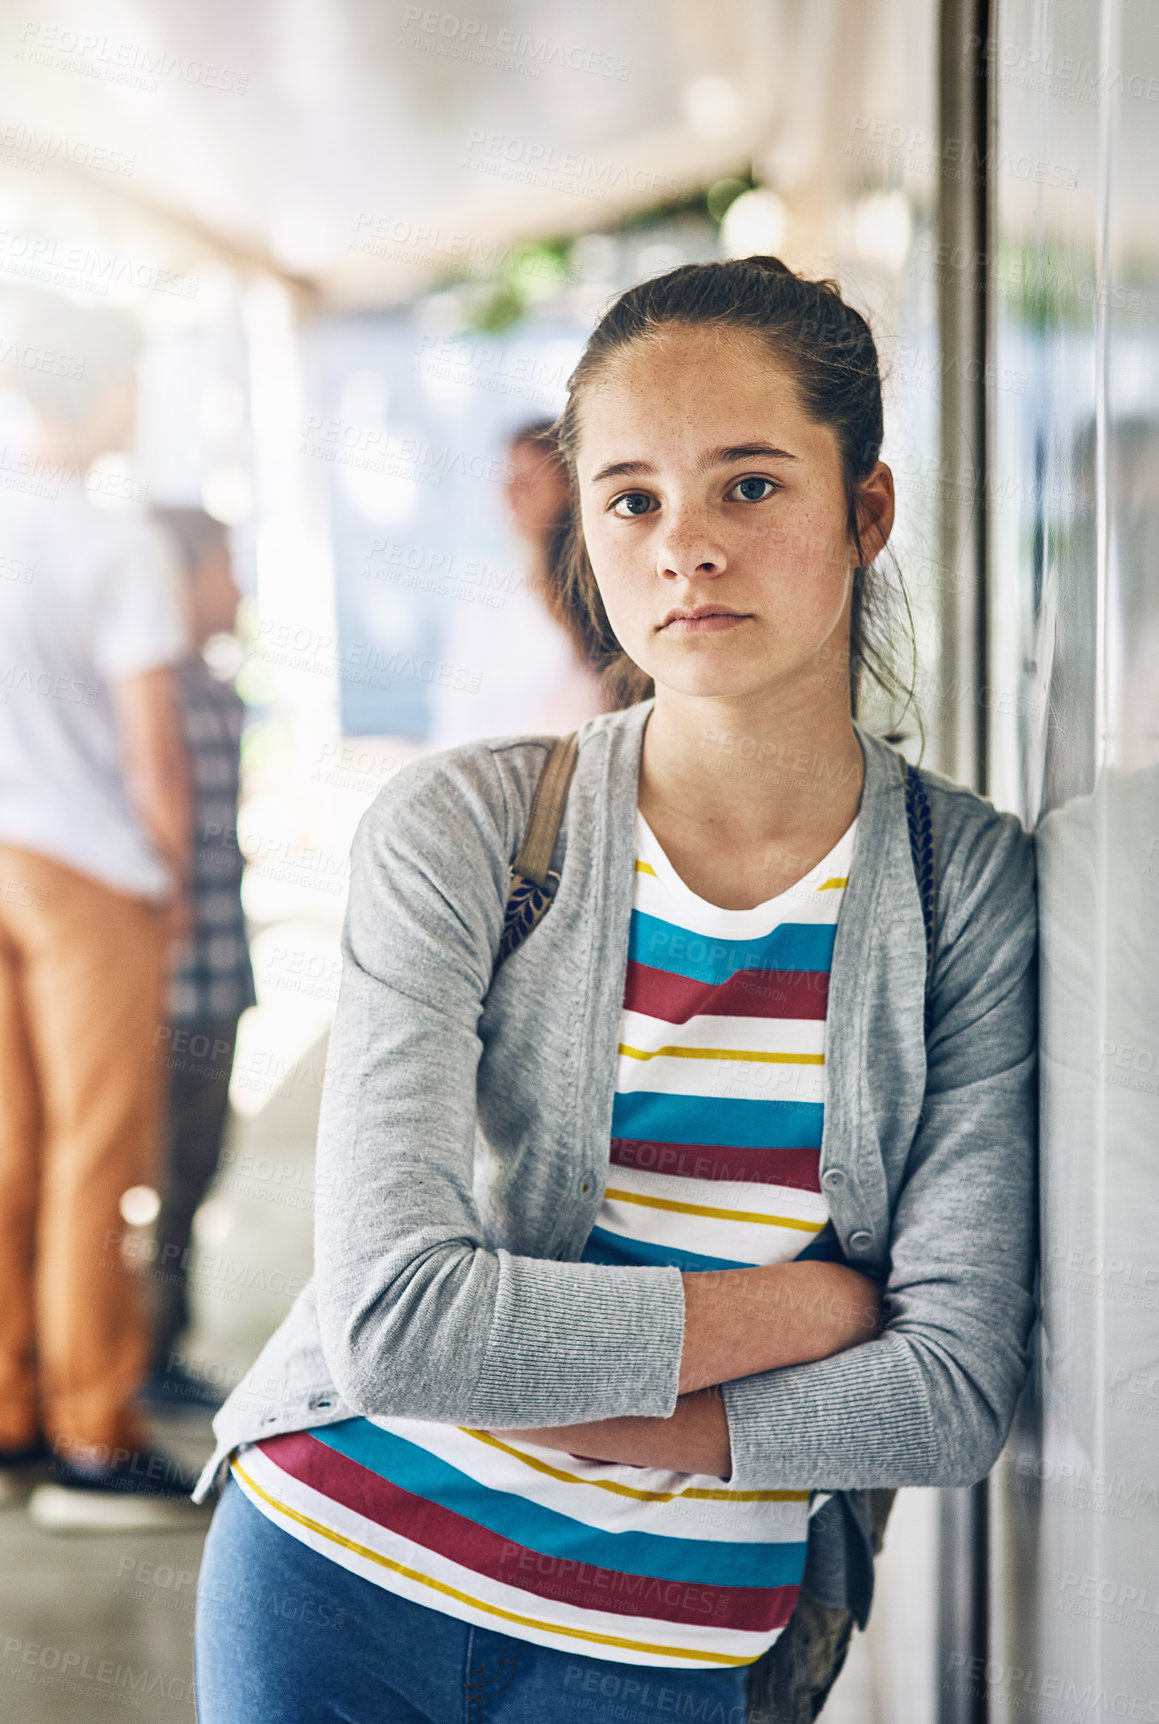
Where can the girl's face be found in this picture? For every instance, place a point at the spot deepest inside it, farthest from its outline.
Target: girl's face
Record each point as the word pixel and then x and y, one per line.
pixel 715 517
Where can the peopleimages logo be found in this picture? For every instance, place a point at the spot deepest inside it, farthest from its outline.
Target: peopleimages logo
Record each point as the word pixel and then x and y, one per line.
pixel 26 356
pixel 924 152
pixel 1010 1682
pixel 1064 75
pixel 504 49
pixel 120 61
pixel 75 1671
pixel 39 147
pixel 540 163
pixel 19 679
pixel 82 268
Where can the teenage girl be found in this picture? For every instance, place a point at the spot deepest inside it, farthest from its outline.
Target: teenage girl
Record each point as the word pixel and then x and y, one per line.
pixel 649 1255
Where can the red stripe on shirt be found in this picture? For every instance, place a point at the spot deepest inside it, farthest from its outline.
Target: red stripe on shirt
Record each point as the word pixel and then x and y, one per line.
pixel 800 1169
pixel 748 994
pixel 451 1535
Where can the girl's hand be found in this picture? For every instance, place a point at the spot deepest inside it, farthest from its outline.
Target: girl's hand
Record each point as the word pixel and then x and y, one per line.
pixel 693 1440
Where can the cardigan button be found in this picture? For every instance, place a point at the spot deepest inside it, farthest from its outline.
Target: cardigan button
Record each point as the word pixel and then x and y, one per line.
pixel 860 1241
pixel 833 1178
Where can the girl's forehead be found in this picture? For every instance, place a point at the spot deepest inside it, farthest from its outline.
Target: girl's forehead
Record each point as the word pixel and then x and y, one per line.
pixel 701 384
pixel 668 353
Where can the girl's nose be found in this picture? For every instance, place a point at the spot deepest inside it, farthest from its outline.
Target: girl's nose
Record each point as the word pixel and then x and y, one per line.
pixel 689 547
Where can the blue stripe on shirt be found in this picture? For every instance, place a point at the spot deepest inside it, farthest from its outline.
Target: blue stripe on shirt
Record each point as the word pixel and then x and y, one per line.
pixel 651 1116
pixel 614 1248
pixel 666 946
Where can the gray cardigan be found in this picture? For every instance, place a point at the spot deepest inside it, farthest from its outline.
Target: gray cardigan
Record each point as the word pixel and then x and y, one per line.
pixel 463 1146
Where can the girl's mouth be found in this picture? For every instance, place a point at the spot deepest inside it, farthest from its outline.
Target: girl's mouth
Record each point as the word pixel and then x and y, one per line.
pixel 704 622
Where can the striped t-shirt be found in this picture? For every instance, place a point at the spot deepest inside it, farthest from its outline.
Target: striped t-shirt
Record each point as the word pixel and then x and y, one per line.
pixel 715 1146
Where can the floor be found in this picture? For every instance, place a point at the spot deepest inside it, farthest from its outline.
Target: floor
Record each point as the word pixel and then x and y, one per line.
pixel 95 1625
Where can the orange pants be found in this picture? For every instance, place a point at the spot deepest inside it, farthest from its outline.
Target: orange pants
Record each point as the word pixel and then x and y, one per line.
pixel 81 976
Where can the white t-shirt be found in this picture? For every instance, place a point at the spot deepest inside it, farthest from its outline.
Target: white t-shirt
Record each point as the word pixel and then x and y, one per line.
pixel 528 677
pixel 87 598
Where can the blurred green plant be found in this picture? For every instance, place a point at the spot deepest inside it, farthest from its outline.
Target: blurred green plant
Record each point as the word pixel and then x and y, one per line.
pixel 528 275
pixel 723 193
pixel 535 272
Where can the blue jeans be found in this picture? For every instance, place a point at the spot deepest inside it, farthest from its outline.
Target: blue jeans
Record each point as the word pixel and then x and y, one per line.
pixel 285 1636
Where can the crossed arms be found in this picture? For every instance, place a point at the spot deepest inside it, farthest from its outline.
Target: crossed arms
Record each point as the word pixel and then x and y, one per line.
pixel 737 1322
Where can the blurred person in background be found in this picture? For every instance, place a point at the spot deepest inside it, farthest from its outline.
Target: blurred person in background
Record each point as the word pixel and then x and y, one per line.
pixel 212 982
pixel 94 847
pixel 532 647
pixel 538 496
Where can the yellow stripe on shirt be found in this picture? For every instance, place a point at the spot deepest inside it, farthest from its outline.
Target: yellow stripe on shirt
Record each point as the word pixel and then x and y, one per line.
pixel 674 1053
pixel 620 1490
pixel 716 1214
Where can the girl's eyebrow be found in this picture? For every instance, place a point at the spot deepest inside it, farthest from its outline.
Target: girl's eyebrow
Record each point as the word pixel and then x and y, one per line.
pixel 722 457
pixel 742 452
pixel 623 470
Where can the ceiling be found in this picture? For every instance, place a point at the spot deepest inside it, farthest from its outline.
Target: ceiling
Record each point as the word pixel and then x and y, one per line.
pixel 365 149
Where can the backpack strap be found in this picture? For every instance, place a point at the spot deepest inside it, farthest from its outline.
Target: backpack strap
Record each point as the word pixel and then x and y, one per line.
pixel 920 822
pixel 530 893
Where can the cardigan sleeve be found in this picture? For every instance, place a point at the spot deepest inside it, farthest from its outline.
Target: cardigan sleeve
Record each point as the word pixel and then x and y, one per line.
pixel 931 1400
pixel 418 1317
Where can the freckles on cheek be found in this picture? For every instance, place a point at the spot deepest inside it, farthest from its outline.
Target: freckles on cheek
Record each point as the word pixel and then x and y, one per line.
pixel 796 552
pixel 790 554
pixel 815 552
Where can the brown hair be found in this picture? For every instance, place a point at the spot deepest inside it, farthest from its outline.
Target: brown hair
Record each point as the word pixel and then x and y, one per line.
pixel 561 597
pixel 829 350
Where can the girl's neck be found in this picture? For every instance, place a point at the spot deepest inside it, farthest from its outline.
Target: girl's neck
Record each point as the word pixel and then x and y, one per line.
pixel 750 773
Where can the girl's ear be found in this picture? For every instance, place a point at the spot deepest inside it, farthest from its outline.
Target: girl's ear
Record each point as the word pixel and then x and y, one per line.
pixel 875 511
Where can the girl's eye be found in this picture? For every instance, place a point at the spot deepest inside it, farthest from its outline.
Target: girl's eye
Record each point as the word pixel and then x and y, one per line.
pixel 754 490
pixel 632 503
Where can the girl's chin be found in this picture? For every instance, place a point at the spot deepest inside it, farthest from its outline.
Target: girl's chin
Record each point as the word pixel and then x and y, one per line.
pixel 709 687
